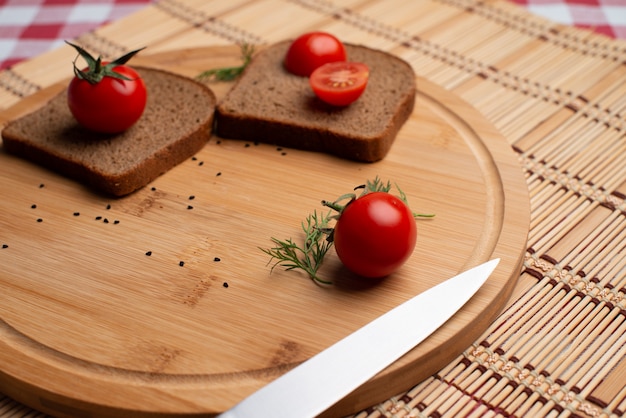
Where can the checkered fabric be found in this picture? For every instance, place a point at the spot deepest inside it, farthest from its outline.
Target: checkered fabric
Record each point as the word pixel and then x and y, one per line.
pixel 603 16
pixel 31 27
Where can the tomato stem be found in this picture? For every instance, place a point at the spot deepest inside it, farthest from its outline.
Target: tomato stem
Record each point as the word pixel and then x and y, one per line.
pixel 336 206
pixel 95 70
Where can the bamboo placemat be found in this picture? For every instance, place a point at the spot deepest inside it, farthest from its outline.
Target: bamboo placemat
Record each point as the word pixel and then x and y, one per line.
pixel 558 94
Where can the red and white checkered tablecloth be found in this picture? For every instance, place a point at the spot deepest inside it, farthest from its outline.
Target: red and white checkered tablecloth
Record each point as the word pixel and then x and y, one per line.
pixel 31 27
pixel 603 16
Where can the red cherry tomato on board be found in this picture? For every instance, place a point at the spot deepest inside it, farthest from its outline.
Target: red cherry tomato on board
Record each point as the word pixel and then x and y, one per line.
pixel 111 105
pixel 375 235
pixel 339 83
pixel 312 50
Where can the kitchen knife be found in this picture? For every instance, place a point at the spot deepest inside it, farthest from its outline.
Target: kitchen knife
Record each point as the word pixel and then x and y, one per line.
pixel 312 387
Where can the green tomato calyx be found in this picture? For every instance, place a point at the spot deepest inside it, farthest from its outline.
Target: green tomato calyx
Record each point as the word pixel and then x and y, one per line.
pixel 96 70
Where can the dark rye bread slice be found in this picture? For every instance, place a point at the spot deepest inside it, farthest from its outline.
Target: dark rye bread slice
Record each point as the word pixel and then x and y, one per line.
pixel 269 104
pixel 176 124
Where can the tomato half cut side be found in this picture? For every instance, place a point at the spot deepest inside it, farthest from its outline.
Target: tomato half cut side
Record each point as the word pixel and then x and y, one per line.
pixel 339 83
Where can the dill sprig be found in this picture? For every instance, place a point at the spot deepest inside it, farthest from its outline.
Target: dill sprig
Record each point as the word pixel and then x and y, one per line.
pixel 229 73
pixel 309 257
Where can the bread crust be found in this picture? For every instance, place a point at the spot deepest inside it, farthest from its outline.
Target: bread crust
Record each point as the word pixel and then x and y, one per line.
pixel 122 163
pixel 269 104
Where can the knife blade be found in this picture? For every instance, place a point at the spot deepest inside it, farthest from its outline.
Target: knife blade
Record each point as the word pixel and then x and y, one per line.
pixel 315 385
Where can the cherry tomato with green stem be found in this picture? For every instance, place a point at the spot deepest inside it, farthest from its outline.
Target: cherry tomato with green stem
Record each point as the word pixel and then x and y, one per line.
pixel 375 234
pixel 106 97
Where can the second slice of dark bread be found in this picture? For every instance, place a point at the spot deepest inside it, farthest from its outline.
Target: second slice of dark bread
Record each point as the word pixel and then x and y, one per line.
pixel 269 104
pixel 176 124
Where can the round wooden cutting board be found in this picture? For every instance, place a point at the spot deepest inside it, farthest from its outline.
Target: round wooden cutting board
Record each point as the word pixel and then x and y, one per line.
pixel 161 302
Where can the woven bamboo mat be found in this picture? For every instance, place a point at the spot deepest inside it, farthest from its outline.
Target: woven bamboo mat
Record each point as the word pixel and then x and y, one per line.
pixel 558 95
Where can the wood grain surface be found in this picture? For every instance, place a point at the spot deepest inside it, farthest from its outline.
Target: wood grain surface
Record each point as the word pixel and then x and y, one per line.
pixel 162 302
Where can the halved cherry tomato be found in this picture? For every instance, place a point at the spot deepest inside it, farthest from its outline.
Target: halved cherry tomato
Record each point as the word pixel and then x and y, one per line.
pixel 340 83
pixel 312 50
pixel 375 234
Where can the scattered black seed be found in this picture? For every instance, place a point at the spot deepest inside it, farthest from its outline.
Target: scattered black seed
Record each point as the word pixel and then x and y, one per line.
pixel 98 218
pixel 106 221
pixel 219 141
pixel 33 206
pixel 115 222
pixel 247 145
pixel 181 263
pixel 76 213
pixel 279 149
pixel 108 207
pixel 153 189
pixel 219 173
pixel 189 207
pixel 193 158
pixel 39 220
pixel 283 153
pixel 149 253
pixel 41 186
pixel 5 245
pixel 217 259
pixel 192 197
pixel 201 163
pixel 225 284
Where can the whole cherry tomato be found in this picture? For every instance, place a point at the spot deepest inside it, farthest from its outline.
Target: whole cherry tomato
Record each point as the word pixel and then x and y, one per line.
pixel 313 50
pixel 106 97
pixel 339 83
pixel 375 234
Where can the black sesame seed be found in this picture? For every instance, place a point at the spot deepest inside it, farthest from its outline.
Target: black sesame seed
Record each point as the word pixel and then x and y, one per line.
pixel 98 218
pixel 225 284
pixel 153 189
pixel 283 153
pixel 189 207
pixel 217 259
pixel 108 207
pixel 33 206
pixel 116 222
pixel 219 173
pixel 5 245
pixel 192 197
pixel 247 145
pixel 149 253
pixel 219 141
pixel 106 221
pixel 76 213
pixel 41 186
pixel 279 149
pixel 201 163
pixel 181 263
pixel 194 158
pixel 39 220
